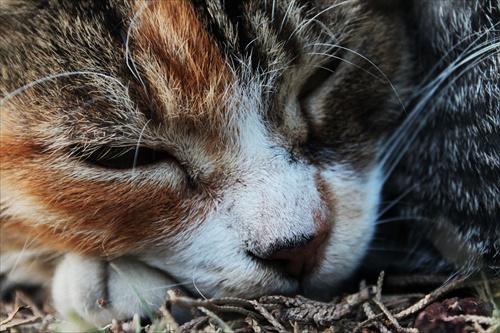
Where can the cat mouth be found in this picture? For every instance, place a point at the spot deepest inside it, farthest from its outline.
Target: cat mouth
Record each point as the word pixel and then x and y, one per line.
pixel 296 277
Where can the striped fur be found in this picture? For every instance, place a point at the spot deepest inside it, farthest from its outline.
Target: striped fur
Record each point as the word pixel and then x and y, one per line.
pixel 454 129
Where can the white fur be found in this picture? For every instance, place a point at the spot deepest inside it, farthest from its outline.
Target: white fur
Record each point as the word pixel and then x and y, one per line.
pixel 127 286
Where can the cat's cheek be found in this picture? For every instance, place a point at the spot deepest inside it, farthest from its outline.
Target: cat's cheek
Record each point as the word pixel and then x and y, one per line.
pixel 357 205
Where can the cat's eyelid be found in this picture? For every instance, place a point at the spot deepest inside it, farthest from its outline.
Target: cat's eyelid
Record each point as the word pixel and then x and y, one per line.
pixel 320 75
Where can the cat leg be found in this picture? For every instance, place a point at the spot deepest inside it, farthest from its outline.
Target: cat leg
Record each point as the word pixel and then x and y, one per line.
pixel 99 290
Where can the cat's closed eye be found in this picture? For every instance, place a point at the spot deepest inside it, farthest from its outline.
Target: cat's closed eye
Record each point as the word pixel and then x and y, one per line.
pixel 318 78
pixel 127 158
pixel 124 158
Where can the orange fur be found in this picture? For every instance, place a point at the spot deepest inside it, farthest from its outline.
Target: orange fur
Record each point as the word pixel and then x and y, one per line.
pixel 75 216
pixel 181 59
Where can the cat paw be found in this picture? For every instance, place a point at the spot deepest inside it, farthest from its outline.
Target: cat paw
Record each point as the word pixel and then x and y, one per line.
pixel 98 290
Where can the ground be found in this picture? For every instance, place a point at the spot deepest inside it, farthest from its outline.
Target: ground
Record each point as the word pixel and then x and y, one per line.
pixel 422 304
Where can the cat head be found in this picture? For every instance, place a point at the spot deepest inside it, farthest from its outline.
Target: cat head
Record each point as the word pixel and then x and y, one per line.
pixel 233 145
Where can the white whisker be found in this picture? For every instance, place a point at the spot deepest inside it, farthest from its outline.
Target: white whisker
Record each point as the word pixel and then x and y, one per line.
pixel 128 56
pixel 470 46
pixel 19 256
pixel 386 79
pixel 397 200
pixel 291 5
pixel 136 155
pixel 347 62
pixel 402 219
pixel 304 25
pixel 197 289
pixel 434 90
pixel 429 88
pixel 55 76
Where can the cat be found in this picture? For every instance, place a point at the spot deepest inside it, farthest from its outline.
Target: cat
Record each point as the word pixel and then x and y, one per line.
pixel 461 137
pixel 238 148
pixel 444 162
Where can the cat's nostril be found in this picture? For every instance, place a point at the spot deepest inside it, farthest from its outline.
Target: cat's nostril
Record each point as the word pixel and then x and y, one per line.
pixel 299 256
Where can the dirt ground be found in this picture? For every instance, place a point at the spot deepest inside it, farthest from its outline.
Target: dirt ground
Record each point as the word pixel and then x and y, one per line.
pixel 422 304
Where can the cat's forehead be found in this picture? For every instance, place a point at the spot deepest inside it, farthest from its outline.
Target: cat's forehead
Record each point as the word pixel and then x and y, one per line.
pixel 185 69
pixel 197 59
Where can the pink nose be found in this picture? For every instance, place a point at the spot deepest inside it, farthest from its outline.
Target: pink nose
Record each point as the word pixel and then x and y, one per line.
pixel 301 260
pixel 300 255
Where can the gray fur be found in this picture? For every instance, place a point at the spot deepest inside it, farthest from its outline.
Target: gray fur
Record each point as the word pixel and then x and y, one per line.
pixel 449 174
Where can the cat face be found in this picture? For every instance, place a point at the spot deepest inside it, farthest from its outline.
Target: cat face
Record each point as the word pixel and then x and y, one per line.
pixel 232 146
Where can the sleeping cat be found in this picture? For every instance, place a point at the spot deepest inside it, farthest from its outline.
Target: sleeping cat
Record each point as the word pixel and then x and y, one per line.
pixel 239 148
